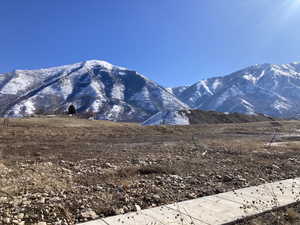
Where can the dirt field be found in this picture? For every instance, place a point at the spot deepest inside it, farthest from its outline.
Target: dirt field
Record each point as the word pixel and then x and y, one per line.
pixel 67 170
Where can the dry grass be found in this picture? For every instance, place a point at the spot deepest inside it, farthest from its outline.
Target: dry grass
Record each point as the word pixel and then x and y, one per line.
pixel 67 157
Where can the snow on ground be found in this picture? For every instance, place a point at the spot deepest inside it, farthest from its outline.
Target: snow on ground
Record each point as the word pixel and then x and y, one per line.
pixel 169 118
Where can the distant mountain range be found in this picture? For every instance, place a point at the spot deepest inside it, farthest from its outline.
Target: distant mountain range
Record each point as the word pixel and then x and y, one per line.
pixel 267 88
pixel 119 94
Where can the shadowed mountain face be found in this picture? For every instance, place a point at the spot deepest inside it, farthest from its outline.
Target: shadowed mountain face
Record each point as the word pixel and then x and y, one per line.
pixel 97 87
pixel 269 89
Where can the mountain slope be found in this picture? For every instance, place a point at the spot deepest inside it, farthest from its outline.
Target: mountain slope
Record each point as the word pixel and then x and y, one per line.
pixel 94 86
pixel 177 90
pixel 267 88
pixel 188 117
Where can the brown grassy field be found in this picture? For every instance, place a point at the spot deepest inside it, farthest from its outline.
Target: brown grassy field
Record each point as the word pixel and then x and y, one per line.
pixel 67 170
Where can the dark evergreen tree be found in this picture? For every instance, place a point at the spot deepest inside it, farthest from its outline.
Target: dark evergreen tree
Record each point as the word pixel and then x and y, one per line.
pixel 71 110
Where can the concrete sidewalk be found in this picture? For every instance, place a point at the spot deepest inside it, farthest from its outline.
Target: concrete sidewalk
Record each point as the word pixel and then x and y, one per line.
pixel 216 209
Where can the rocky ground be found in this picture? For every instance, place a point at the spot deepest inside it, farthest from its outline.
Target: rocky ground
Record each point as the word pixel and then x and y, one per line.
pixel 65 171
pixel 285 216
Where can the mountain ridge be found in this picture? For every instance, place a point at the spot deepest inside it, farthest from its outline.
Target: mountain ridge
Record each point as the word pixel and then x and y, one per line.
pixel 264 88
pixel 120 94
pixel 112 92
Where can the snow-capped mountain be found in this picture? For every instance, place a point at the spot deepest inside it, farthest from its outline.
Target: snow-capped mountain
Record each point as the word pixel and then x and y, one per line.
pixel 267 88
pixel 110 92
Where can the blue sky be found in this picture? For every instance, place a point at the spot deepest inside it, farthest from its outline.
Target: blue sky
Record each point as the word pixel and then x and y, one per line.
pixel 173 42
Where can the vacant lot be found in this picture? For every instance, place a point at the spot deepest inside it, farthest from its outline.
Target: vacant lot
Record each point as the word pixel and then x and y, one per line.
pixel 67 170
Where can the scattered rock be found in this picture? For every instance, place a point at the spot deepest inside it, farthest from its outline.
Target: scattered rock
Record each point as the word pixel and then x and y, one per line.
pixel 6 220
pixel 41 223
pixel 156 197
pixel 109 165
pixel 137 208
pixel 20 216
pixel 176 177
pixel 275 166
pixel 119 211
pixel 227 178
pixel 82 190
pixel 88 214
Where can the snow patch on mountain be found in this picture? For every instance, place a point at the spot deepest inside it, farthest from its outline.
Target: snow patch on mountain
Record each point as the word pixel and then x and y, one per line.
pixel 216 84
pixel 177 90
pixel 118 91
pixel 251 78
pixel 280 105
pixel 168 118
pixel 203 84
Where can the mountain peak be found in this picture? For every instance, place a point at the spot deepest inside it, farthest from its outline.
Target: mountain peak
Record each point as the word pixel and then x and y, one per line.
pixel 92 63
pixel 94 86
pixel 88 64
pixel 265 88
